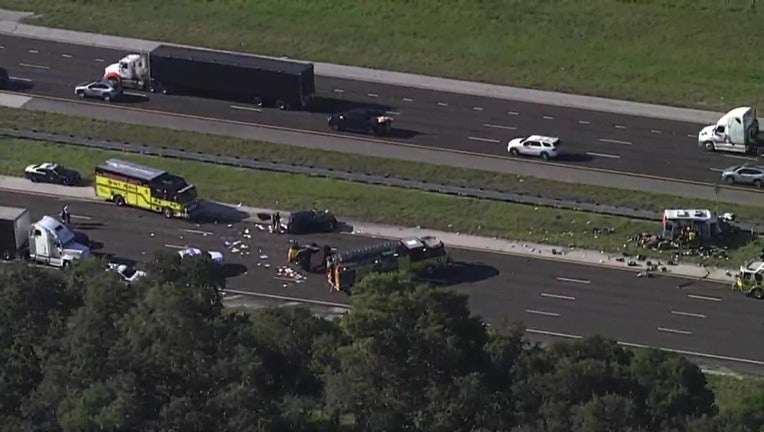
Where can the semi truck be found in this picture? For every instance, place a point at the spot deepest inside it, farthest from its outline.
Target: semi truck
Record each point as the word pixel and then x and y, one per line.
pixel 46 241
pixel 261 81
pixel 735 132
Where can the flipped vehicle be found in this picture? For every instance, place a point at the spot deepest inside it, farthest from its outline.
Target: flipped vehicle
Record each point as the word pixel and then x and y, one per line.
pixel 541 146
pixel 365 120
pixel 51 172
pixel 310 221
pixel 214 256
pixel 128 273
pixel 104 89
pixel 744 174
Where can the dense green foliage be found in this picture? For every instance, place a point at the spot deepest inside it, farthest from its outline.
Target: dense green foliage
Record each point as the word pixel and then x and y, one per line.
pixel 84 352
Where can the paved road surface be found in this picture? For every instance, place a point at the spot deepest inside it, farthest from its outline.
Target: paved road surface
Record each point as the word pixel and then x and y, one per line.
pixel 425 118
pixel 552 299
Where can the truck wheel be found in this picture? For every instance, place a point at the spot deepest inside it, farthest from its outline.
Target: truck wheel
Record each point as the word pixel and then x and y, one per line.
pixel 257 101
pixel 118 200
pixel 757 293
pixel 167 212
pixel 65 264
pixel 280 104
pixel 709 146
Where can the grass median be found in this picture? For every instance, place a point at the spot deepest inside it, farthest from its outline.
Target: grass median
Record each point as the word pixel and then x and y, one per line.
pixel 370 203
pixel 420 171
pixel 654 51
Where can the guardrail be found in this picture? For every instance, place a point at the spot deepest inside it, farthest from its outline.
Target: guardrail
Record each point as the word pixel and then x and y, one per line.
pixel 366 178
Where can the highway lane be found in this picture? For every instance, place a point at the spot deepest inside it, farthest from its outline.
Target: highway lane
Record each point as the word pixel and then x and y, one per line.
pixel 426 118
pixel 550 297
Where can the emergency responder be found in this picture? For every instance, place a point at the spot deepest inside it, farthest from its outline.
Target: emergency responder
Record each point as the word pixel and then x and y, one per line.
pixel 66 217
pixel 276 222
pixel 294 250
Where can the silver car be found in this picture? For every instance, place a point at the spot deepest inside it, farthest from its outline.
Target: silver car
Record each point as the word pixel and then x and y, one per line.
pixel 106 90
pixel 744 174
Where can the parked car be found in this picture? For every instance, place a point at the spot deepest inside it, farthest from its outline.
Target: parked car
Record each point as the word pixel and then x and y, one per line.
pixel 128 273
pixel 51 172
pixel 373 122
pixel 5 79
pixel 744 174
pixel 214 256
pixel 106 90
pixel 310 221
pixel 535 145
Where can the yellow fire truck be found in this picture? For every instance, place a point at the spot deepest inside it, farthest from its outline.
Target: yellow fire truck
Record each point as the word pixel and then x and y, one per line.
pixel 750 281
pixel 423 256
pixel 132 184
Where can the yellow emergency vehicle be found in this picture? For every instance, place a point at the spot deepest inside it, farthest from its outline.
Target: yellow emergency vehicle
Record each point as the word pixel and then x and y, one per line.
pixel 423 256
pixel 131 184
pixel 750 280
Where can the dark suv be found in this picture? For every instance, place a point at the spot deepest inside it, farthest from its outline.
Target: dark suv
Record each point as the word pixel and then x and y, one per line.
pixel 311 221
pixel 370 121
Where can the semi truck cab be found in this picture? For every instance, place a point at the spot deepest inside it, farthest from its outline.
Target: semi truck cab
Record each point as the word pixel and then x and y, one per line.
pixel 52 243
pixel 132 70
pixel 736 132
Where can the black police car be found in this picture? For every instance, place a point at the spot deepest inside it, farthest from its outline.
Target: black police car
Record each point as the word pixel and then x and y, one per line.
pixel 311 221
pixel 373 122
pixel 51 172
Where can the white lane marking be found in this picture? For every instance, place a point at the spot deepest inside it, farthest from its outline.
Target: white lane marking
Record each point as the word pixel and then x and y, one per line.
pixel 233 297
pixel 372 95
pixel 716 169
pixel 477 108
pixel 488 125
pixel 557 296
pixel 581 281
pixel 612 141
pixel 134 94
pixel 548 118
pixel 338 91
pixel 513 113
pixel 297 299
pixel 408 100
pixel 442 104
pixel 100 60
pixel 700 297
pixel 34 51
pixel 81 217
pixel 176 247
pixel 392 112
pixel 620 127
pixel 688 314
pixel 2 46
pixel 193 231
pixel 605 155
pixel 636 345
pixel 538 312
pixel 655 131
pixel 66 55
pixel 675 331
pixel 245 108
pixel 13 78
pixel 745 158
pixel 283 279
pixel 691 136
pixel 583 122
pixel 483 139
pixel 33 66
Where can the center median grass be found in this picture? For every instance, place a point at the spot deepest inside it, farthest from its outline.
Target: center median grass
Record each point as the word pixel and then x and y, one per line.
pixel 364 202
pixel 653 51
pixel 343 161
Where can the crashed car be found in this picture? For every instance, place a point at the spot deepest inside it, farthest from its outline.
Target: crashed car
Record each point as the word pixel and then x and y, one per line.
pixel 128 273
pixel 214 256
pixel 370 121
pixel 310 221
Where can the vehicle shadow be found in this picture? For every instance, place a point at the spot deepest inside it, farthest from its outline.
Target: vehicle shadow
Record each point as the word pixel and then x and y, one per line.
pixel 87 226
pixel 574 157
pixel 15 84
pixel 324 105
pixel 214 212
pixel 233 270
pixel 397 133
pixel 465 273
pixel 132 98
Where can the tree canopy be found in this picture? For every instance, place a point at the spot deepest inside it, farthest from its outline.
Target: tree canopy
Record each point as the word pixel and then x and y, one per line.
pixel 83 351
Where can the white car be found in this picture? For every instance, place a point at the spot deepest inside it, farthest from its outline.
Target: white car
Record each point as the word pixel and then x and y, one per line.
pixel 128 273
pixel 216 257
pixel 535 145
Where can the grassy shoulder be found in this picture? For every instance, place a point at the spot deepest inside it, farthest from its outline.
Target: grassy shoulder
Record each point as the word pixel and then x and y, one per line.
pixel 648 51
pixel 732 391
pixel 344 161
pixel 369 203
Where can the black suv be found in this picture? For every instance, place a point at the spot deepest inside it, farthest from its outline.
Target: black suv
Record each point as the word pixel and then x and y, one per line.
pixel 373 122
pixel 311 221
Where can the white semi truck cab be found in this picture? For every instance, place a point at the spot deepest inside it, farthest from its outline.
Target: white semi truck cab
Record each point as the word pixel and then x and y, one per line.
pixel 736 132
pixel 132 71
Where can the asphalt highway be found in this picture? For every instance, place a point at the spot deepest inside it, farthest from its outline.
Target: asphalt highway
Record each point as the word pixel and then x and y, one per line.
pixel 430 119
pixel 553 299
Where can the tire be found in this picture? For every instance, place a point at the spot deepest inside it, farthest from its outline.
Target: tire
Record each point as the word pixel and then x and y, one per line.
pixel 545 155
pixel 515 152
pixel 33 179
pixel 257 101
pixel 65 264
pixel 106 98
pixel 167 212
pixel 332 226
pixel 429 270
pixel 709 146
pixel 757 183
pixel 81 94
pixel 729 179
pixel 335 127
pixel 757 293
pixel 118 200
pixel 280 104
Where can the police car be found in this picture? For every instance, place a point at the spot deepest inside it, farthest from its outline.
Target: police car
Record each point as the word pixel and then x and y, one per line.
pixel 214 256
pixel 51 172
